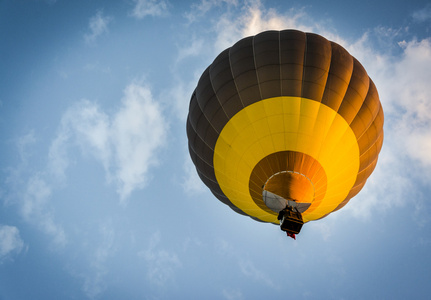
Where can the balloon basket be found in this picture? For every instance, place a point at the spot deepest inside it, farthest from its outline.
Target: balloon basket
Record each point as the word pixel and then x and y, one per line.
pixel 291 222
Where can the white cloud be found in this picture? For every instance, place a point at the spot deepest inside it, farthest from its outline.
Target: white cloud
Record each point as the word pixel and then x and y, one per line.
pixel 192 184
pixel 253 19
pixel 94 279
pixel 411 93
pixel 181 93
pixel 36 196
pixel 423 14
pixel 153 8
pixel 35 209
pixel 323 228
pixel 232 294
pixel 199 9
pixel 162 264
pixel 31 191
pixel 194 48
pixel 257 20
pixel 23 143
pixel 97 25
pixel 58 160
pixel 403 84
pixel 248 268
pixel 15 179
pixel 243 18
pixel 139 130
pixel 10 241
pixel 126 143
pixel 88 127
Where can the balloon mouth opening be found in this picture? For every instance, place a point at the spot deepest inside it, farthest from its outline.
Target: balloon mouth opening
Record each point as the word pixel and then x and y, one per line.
pixel 288 188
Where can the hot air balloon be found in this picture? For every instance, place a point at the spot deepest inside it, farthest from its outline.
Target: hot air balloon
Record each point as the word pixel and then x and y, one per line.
pixel 285 127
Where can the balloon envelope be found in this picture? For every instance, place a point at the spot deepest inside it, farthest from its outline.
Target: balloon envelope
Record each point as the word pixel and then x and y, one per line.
pixel 285 115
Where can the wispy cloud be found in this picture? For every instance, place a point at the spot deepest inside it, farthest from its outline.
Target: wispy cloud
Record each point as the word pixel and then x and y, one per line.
pixel 246 266
pixel 35 209
pixel 193 49
pixel 200 9
pixel 405 160
pixel 10 242
pixel 423 14
pixel 83 125
pixel 191 184
pixel 411 93
pixel 253 19
pixel 139 131
pixel 31 191
pixel 232 294
pixel 97 26
pixel 125 143
pixel 23 143
pixel 162 263
pixel 153 8
pixel 94 279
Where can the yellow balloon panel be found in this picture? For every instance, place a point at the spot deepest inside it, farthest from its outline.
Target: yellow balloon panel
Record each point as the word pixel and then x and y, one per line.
pixel 286 124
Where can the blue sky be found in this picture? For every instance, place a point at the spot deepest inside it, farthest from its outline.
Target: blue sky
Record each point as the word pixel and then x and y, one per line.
pixel 98 196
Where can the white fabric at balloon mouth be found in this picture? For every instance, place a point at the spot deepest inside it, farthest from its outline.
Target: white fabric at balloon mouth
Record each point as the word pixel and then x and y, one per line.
pixel 277 203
